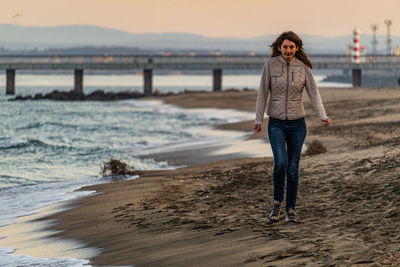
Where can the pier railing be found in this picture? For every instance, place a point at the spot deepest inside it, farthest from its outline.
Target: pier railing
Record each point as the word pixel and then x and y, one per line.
pixel 170 62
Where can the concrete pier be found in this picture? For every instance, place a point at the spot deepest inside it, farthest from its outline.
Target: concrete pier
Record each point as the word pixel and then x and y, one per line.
pixel 10 81
pixel 78 86
pixel 217 80
pixel 148 81
pixel 217 64
pixel 356 77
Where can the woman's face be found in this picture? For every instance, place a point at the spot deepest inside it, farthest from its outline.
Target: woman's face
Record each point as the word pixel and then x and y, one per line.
pixel 288 49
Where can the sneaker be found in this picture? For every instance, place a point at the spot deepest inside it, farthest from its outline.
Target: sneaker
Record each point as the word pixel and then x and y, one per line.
pixel 291 216
pixel 275 214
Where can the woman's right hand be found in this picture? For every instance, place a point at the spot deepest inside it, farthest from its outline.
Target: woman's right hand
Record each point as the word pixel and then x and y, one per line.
pixel 327 121
pixel 257 127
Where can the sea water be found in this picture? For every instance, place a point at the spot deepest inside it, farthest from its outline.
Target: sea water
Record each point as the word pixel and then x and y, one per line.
pixel 49 149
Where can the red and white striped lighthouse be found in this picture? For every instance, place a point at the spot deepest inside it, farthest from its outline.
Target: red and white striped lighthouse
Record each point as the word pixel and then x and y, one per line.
pixel 356 46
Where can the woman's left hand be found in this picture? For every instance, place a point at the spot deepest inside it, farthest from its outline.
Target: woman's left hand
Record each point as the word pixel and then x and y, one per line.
pixel 327 121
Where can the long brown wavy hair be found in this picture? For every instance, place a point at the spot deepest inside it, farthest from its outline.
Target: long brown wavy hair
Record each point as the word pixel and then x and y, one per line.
pixel 291 36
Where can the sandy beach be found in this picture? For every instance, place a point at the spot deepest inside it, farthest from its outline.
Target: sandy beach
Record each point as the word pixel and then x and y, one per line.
pixel 216 213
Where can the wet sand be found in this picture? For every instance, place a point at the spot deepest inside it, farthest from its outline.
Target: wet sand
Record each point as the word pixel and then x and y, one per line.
pixel 216 213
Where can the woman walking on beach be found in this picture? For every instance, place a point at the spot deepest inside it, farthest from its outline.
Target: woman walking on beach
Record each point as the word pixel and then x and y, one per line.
pixel 285 74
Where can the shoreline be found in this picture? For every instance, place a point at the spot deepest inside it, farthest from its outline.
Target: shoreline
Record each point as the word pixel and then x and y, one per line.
pixel 28 225
pixel 34 236
pixel 217 213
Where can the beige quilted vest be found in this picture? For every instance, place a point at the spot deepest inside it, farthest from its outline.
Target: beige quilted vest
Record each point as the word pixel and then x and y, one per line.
pixel 284 83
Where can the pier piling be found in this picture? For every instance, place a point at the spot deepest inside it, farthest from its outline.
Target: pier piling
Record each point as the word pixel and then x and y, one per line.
pixel 78 87
pixel 148 81
pixel 217 80
pixel 10 81
pixel 356 77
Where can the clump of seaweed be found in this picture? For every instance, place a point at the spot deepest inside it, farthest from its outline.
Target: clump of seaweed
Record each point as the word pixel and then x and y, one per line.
pixel 315 147
pixel 117 167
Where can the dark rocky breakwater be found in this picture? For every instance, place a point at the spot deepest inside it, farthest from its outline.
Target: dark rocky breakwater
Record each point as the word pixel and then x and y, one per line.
pixel 98 95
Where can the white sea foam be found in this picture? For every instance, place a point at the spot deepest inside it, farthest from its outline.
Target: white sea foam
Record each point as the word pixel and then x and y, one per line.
pixel 201 136
pixel 8 259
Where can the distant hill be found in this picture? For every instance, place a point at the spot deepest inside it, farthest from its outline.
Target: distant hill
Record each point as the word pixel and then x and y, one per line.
pixel 15 37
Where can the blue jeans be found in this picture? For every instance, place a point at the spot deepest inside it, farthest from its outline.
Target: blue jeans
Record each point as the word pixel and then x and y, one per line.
pixel 286 138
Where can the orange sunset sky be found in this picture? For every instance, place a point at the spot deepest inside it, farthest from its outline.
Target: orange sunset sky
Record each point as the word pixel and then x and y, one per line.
pixel 213 18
